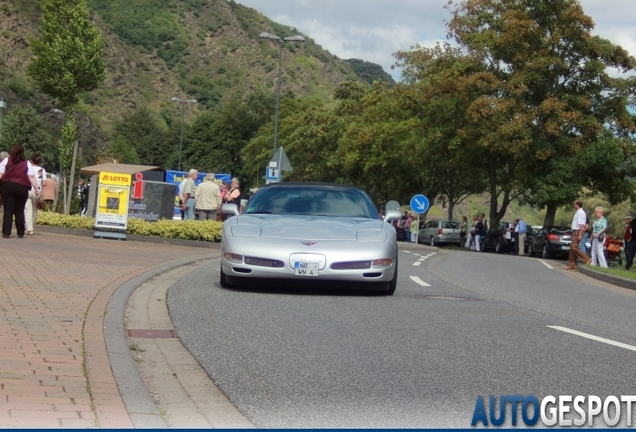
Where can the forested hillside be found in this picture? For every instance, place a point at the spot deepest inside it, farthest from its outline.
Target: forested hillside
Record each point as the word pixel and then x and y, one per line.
pixel 208 50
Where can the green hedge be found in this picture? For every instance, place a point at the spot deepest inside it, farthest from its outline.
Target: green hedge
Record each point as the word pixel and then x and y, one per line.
pixel 187 230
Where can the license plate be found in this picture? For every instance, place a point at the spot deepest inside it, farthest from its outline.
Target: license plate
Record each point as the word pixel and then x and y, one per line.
pixel 565 247
pixel 306 269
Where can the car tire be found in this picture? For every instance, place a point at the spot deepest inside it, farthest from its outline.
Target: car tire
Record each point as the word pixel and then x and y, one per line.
pixel 223 280
pixel 545 252
pixel 532 252
pixel 393 283
pixel 431 242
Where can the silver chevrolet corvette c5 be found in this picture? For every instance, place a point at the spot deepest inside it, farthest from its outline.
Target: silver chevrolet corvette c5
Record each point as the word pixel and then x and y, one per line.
pixel 309 234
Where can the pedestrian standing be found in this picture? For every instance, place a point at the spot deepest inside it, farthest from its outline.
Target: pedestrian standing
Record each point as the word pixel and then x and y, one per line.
pixel 31 206
pixel 479 232
pixel 407 226
pixel 463 228
pixel 208 198
pixel 521 231
pixel 598 238
pixel 578 227
pixel 630 241
pixel 188 195
pixel 508 239
pixel 414 232
pixel 17 177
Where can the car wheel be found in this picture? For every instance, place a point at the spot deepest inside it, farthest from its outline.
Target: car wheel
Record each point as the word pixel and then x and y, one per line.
pixel 531 252
pixel 545 252
pixel 432 241
pixel 393 283
pixel 223 280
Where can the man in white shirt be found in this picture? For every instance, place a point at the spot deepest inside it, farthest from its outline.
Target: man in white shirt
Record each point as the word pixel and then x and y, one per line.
pixel 578 227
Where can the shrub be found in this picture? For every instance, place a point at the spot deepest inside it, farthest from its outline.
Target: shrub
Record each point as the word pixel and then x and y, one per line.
pixel 186 230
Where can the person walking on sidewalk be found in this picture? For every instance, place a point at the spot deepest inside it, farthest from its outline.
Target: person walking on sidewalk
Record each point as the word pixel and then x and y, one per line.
pixel 578 227
pixel 407 226
pixel 17 177
pixel 598 238
pixel 31 206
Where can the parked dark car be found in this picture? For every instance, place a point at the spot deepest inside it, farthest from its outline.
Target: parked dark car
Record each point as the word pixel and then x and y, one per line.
pixel 552 241
pixel 400 230
pixel 496 239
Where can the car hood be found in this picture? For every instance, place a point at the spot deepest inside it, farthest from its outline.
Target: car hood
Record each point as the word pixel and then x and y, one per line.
pixel 309 227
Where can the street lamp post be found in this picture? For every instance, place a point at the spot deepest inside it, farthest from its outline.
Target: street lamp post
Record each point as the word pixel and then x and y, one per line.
pixel 280 41
pixel 183 104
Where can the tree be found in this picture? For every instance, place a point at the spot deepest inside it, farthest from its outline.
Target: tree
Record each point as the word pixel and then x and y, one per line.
pixel 123 151
pixel 67 62
pixel 140 131
pixel 551 93
pixel 439 89
pixel 23 125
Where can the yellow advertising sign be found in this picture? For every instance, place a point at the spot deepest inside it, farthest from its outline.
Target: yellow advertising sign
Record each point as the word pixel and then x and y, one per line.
pixel 106 178
pixel 112 206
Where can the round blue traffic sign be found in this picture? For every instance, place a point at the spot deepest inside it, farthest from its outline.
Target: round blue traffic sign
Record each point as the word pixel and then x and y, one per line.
pixel 419 204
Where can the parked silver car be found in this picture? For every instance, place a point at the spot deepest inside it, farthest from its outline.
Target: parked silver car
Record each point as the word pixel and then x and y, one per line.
pixel 439 231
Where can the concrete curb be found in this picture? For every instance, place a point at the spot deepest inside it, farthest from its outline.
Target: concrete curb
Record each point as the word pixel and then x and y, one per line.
pixel 141 408
pixel 133 237
pixel 614 280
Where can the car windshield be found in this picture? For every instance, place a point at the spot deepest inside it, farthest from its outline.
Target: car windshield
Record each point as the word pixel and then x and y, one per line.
pixel 560 230
pixel 450 224
pixel 312 200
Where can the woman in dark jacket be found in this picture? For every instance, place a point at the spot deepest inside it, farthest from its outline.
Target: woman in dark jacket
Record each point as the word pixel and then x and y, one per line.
pixel 17 178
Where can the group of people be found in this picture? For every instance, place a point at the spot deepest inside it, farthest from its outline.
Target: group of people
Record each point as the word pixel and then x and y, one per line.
pixel 22 182
pixel 472 237
pixel 206 198
pixel 580 227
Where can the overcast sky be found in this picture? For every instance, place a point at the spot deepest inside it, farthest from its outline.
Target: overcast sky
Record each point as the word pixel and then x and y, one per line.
pixel 374 30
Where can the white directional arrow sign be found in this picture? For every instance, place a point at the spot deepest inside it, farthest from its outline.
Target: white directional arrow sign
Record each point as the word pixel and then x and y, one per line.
pixel 419 204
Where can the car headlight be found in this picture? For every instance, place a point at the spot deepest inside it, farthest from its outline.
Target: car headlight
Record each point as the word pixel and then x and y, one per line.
pixel 371 236
pixel 252 231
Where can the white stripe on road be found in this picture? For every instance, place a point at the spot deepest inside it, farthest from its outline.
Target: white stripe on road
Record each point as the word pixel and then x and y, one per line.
pixel 546 264
pixel 406 251
pixel 417 263
pixel 422 259
pixel 419 281
pixel 596 338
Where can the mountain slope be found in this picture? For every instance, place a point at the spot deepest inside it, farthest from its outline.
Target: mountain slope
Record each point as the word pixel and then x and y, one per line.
pixel 155 49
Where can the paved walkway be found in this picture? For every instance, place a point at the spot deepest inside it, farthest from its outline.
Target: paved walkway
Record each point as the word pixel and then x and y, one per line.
pixel 54 289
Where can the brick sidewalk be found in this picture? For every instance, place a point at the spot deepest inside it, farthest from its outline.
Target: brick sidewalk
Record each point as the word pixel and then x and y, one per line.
pixel 54 369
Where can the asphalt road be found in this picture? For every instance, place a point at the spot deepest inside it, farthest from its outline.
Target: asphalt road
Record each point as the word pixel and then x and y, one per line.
pixel 460 325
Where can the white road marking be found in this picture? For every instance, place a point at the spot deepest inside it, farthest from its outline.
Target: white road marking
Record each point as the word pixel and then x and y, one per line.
pixel 596 338
pixel 419 281
pixel 422 259
pixel 417 263
pixel 546 264
pixel 406 251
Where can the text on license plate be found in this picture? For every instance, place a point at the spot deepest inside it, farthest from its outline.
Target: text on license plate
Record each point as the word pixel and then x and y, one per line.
pixel 306 269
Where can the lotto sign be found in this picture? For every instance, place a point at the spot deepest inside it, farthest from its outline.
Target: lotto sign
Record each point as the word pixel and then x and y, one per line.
pixel 114 179
pixel 112 204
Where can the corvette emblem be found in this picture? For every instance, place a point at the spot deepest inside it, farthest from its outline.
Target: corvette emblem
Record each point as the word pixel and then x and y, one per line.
pixel 308 242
